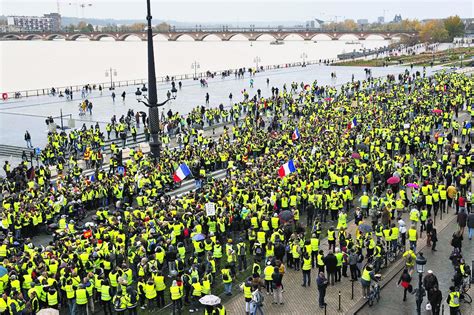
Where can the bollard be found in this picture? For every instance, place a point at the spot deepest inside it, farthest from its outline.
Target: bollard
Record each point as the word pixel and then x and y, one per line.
pixel 339 300
pixel 352 290
pixel 442 309
pixel 325 309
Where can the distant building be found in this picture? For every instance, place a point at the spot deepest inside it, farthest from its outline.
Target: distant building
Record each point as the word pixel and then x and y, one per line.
pixel 362 21
pixel 381 20
pixel 55 21
pixel 47 23
pixel 397 18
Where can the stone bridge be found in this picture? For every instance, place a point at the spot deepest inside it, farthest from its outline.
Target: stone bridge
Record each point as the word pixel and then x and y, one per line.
pixel 279 35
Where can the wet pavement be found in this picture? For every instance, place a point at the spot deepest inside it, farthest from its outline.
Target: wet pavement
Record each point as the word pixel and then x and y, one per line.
pixel 391 295
pixel 18 115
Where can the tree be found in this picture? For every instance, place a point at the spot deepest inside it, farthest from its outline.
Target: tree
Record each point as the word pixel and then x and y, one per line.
pixel 90 28
pixel 455 26
pixel 163 27
pixel 434 31
pixel 82 26
pixel 349 25
pixel 137 27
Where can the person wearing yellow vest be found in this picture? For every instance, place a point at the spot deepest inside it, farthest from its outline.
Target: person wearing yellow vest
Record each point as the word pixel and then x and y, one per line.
pixel 131 300
pixel 34 303
pixel 120 302
pixel 160 288
pixel 412 237
pixel 307 264
pixel 423 217
pixel 410 259
pixel 196 292
pixel 332 238
pixel 366 279
pixel 314 243
pixel 81 300
pixel 453 300
pixel 246 287
pixel 176 296
pixel 53 298
pixel 267 276
pixel 150 292
pixel 105 297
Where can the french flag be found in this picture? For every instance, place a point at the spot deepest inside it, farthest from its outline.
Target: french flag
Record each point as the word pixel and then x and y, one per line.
pixel 353 123
pixel 286 169
pixel 181 173
pixel 296 134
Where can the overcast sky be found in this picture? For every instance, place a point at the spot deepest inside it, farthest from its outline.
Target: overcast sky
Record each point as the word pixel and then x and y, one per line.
pixel 244 10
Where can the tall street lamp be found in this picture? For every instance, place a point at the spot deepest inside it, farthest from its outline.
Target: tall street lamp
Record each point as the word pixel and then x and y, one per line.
pixel 152 102
pixel 112 73
pixel 195 65
pixel 304 56
pixel 420 266
pixel 257 60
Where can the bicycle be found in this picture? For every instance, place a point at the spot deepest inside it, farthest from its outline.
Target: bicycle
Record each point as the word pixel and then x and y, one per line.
pixel 394 254
pixel 465 286
pixel 374 294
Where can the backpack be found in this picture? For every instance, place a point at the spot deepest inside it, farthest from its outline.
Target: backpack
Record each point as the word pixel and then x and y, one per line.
pixel 456 299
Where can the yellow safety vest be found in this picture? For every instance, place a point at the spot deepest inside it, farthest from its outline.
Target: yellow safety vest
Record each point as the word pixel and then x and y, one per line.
pixel 175 293
pixel 452 302
pixel 81 297
pixel 412 235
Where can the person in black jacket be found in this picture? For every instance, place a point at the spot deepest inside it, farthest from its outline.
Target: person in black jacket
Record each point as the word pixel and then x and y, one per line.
pixel 322 283
pixel 330 261
pixel 434 239
pixel 405 280
pixel 435 300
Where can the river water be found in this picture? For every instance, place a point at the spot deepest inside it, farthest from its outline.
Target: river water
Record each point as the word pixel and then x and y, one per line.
pixel 40 64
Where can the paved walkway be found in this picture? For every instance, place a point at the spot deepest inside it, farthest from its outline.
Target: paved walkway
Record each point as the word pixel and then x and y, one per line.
pixel 299 300
pixel 392 296
pixel 17 115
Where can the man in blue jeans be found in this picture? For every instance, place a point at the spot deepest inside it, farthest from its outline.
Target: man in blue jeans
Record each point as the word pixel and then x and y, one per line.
pixel 470 224
pixel 322 283
pixel 257 301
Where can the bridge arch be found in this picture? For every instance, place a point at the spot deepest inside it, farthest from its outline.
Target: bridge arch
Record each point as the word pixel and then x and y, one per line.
pixel 321 36
pixel 292 35
pixel 349 37
pixel 266 37
pixel 102 36
pixel 184 37
pixel 11 36
pixel 375 36
pixel 55 36
pixel 78 36
pixel 211 37
pixel 160 37
pixel 133 36
pixel 33 37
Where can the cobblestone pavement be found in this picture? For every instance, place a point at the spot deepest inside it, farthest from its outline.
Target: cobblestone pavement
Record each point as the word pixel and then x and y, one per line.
pixel 299 300
pixel 392 296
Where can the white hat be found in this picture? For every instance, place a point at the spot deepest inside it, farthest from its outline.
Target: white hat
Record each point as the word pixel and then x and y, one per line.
pixel 430 271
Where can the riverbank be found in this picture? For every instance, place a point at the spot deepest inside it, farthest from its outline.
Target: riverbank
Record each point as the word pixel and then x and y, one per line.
pixel 449 57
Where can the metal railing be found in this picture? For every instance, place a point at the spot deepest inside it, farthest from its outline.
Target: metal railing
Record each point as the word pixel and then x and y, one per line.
pixel 134 82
